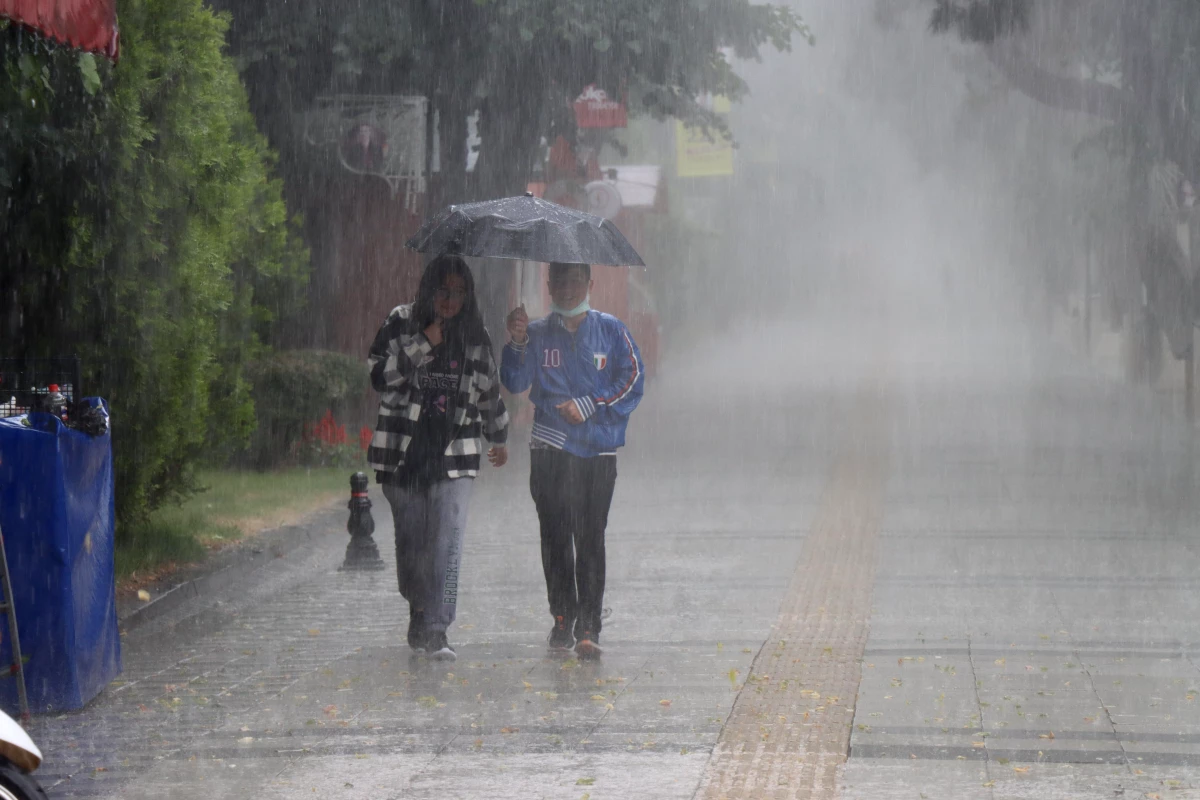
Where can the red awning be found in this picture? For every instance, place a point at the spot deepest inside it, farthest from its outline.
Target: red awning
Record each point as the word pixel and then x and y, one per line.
pixel 86 24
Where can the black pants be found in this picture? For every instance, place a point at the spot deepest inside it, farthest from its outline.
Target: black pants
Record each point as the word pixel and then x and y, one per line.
pixel 572 496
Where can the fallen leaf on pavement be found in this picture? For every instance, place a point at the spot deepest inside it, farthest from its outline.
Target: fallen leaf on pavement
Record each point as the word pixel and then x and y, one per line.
pixel 509 730
pixel 143 595
pixel 664 702
pixel 1022 770
pixel 585 781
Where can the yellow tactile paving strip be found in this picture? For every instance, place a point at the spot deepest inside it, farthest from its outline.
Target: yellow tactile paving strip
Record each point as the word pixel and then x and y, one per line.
pixel 789 729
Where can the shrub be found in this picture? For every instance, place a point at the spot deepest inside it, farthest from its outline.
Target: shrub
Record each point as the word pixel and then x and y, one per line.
pixel 292 391
pixel 324 444
pixel 141 227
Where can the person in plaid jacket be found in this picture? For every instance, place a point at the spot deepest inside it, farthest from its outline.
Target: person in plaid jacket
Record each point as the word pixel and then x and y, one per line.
pixel 432 364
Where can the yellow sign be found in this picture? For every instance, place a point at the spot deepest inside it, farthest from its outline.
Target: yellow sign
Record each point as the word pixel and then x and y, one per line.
pixel 698 155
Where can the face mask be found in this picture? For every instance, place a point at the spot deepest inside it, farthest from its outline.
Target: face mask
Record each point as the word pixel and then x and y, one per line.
pixel 571 312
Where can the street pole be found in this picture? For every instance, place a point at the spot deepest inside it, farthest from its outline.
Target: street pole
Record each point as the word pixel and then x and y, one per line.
pixel 1087 288
pixel 430 133
pixel 362 555
pixel 1183 234
pixel 1189 386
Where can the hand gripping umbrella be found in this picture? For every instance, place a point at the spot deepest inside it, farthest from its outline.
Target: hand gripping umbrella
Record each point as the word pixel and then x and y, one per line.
pixel 526 228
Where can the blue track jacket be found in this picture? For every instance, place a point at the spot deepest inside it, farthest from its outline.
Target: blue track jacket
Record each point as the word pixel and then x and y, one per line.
pixel 599 367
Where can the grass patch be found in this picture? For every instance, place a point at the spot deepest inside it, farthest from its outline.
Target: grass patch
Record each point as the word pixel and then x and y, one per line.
pixel 234 505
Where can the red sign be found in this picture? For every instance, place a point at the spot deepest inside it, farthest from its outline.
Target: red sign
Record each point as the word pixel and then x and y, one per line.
pixel 595 109
pixel 86 24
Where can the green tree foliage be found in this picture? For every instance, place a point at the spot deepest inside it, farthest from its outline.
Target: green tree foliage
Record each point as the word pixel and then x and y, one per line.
pixel 1133 65
pixel 519 62
pixel 980 20
pixel 1146 50
pixel 141 228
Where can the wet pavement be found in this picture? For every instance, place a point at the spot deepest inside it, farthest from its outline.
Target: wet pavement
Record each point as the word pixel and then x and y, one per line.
pixel 994 554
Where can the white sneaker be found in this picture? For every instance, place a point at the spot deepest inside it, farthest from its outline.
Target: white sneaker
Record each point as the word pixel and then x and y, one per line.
pixel 439 648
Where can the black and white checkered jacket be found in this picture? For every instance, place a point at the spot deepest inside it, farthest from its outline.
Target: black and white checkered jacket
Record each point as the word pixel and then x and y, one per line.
pixel 398 352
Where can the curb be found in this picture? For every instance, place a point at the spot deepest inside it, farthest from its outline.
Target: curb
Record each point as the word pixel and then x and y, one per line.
pixel 221 573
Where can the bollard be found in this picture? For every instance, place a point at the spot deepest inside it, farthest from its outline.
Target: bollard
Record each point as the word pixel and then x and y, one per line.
pixel 361 553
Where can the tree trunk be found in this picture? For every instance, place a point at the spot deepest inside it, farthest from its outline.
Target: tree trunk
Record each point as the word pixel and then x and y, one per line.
pixel 510 128
pixel 1057 91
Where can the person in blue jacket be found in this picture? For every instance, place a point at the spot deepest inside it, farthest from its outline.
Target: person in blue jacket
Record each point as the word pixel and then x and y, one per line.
pixel 586 376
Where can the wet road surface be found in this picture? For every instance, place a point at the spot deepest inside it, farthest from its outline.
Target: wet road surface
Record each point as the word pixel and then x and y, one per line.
pixel 962 559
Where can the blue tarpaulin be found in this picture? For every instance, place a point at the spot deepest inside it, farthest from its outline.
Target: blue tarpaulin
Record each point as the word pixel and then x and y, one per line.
pixel 56 514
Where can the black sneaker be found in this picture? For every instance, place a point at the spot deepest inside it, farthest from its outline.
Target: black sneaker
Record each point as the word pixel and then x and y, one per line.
pixel 560 636
pixel 588 646
pixel 438 647
pixel 416 630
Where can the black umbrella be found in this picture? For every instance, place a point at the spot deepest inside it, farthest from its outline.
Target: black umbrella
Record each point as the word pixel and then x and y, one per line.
pixel 525 228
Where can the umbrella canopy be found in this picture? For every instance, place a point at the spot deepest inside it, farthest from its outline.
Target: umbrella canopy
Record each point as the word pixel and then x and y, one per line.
pixel 525 228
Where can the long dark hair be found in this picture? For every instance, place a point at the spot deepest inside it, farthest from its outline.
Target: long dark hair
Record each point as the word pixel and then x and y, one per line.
pixel 467 326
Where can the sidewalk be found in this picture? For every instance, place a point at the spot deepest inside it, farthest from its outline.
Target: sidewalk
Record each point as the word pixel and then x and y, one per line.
pixel 984 585
pixel 301 679
pixel 1034 632
pixel 229 567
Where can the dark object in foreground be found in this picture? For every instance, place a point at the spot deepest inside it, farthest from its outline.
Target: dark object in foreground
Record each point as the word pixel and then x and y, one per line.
pixel 57 513
pixel 361 554
pixel 17 670
pixel 525 228
pixel 25 385
pixel 90 418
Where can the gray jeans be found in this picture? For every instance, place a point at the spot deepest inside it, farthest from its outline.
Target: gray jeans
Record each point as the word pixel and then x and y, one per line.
pixel 429 535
